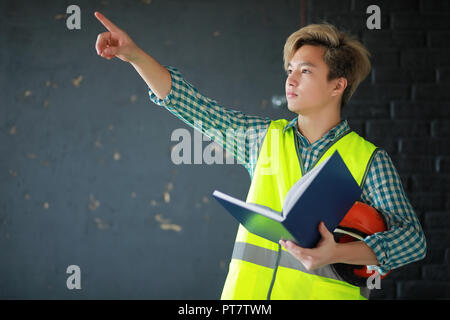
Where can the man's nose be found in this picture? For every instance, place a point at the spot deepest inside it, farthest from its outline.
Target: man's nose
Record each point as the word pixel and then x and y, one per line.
pixel 292 81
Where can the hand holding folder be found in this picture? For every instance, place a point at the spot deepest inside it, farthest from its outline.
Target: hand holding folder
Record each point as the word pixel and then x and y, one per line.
pixel 326 193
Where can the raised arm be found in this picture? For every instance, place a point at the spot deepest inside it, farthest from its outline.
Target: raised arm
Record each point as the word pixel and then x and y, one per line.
pixel 168 88
pixel 116 43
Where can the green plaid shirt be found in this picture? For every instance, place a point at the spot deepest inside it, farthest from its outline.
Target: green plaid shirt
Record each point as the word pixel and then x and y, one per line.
pixel 403 243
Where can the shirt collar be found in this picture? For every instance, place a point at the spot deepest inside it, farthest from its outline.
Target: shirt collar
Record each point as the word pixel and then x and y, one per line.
pixel 292 123
pixel 334 133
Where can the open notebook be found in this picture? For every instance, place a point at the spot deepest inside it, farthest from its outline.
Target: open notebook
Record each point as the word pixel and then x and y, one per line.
pixel 326 193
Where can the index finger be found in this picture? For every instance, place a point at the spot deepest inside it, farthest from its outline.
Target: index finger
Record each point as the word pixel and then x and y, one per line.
pixel 105 21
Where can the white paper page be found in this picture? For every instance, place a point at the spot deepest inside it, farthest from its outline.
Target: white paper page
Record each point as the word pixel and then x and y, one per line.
pixel 300 186
pixel 265 211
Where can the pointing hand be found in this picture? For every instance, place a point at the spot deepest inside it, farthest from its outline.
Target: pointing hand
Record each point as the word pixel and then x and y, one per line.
pixel 115 42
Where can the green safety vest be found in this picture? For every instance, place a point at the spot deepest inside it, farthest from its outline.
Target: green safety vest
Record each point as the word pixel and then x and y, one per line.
pixel 262 269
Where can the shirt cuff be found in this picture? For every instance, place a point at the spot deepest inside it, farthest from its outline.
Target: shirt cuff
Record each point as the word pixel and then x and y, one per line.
pixel 176 77
pixel 376 243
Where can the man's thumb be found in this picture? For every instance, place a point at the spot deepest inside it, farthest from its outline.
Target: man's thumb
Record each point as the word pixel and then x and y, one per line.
pixel 324 230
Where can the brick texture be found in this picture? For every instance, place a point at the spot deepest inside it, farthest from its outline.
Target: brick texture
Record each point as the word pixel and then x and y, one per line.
pixel 404 107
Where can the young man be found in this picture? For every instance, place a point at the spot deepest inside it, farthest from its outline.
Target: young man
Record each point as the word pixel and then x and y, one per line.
pixel 324 67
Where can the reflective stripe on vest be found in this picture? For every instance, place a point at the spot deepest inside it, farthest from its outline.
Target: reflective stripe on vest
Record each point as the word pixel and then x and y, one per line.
pixel 261 269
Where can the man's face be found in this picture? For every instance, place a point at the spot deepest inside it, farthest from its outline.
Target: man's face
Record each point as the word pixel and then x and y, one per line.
pixel 307 87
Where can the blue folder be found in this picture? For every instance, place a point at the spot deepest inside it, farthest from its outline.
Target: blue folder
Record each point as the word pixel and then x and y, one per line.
pixel 328 192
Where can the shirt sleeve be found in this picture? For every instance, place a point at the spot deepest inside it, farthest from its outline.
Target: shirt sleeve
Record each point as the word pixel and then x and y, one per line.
pixel 237 133
pixel 404 241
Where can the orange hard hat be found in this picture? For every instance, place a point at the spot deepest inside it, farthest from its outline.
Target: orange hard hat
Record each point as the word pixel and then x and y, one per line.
pixel 360 221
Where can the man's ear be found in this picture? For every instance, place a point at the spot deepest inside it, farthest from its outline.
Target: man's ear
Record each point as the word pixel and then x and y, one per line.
pixel 340 85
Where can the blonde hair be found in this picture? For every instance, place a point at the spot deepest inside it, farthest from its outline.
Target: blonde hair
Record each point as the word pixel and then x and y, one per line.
pixel 344 54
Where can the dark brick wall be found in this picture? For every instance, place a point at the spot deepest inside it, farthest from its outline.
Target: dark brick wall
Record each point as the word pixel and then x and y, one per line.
pixel 404 107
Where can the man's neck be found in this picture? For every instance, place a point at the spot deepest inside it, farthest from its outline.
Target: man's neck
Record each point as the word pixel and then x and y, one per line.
pixel 315 126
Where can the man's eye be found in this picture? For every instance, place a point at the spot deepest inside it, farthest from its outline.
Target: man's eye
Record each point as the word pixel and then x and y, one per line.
pixel 289 71
pixel 307 71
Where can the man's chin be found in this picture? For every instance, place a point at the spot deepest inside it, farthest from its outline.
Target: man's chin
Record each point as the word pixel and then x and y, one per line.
pixel 302 110
pixel 295 109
